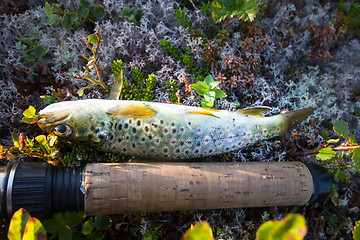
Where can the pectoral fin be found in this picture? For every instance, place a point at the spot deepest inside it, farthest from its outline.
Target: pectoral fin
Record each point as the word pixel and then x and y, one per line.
pixel 134 110
pixel 254 111
pixel 202 112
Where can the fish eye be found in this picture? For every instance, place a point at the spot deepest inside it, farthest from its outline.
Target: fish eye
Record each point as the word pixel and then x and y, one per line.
pixel 62 130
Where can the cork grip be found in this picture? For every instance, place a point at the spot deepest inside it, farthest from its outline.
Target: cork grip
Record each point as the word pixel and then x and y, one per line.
pixel 146 187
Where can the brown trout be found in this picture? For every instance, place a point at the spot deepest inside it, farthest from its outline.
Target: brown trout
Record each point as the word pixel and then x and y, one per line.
pixel 160 130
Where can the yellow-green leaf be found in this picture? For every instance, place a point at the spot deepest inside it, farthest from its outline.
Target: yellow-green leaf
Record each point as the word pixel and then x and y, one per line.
pixel 201 231
pixel 293 226
pixel 17 224
pixel 356 231
pixel 41 139
pixel 356 158
pixel 34 230
pixel 326 154
pixel 30 112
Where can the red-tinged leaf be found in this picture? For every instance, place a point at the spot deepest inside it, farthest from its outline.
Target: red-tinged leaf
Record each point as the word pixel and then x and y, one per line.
pixel 17 224
pixel 34 230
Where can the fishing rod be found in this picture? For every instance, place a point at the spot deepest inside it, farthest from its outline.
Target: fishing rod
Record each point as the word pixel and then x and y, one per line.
pixel 116 188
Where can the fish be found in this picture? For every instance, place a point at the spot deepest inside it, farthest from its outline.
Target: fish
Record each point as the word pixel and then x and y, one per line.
pixel 153 130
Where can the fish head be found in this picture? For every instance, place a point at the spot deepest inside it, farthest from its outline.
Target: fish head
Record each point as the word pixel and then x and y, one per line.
pixel 75 121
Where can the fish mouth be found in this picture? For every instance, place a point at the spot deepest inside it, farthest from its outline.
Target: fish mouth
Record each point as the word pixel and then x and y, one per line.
pixel 48 121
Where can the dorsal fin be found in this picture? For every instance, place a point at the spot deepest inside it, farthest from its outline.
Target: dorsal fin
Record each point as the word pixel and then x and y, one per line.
pixel 254 111
pixel 202 112
pixel 134 110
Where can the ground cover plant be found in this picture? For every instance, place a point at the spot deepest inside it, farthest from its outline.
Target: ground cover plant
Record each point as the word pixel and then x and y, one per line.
pixel 222 54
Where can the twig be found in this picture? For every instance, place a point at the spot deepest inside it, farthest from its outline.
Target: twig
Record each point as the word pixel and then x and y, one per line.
pixel 316 151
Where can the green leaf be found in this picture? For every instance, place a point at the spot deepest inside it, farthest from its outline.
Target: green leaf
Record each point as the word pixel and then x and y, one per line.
pixel 73 218
pixel 30 58
pixel 17 224
pixel 66 23
pixel 206 104
pixel 200 87
pixel 52 19
pixel 213 84
pixel 73 16
pixel 340 175
pixel 15 137
pixel 48 99
pixel 93 39
pixel 103 222
pixel 83 12
pixel 48 9
pixel 243 9
pixel 34 230
pixel 84 3
pixel 293 226
pixel 201 231
pixel 53 225
pixel 39 51
pixel 356 231
pixel 332 141
pixel 65 233
pixel 208 80
pixel 80 92
pixel 52 139
pixel 353 140
pixel 56 9
pixel 96 236
pixel 325 154
pixel 124 13
pixel 29 120
pixel 26 41
pixel 30 112
pixel 356 158
pixel 99 12
pixel 210 96
pixel 88 227
pixel 41 139
pixel 324 133
pixel 219 93
pixel 342 128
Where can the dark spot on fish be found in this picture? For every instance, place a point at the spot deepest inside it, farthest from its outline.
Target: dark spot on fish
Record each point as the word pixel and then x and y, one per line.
pixel 152 150
pixel 172 141
pixel 138 123
pixel 173 130
pixel 102 124
pixel 110 137
pixel 83 130
pixel 134 130
pixel 187 152
pixel 157 140
pixel 142 139
pixel 126 125
pixel 165 150
pixel 154 125
pixel 196 151
pixel 181 129
pixel 119 140
pixel 189 123
pixel 127 137
pixel 146 128
pixel 150 137
pixel 181 143
pixel 188 142
pixel 120 127
pixel 144 151
pixel 210 150
pixel 227 149
pixel 177 150
pixel 130 121
pixel 161 122
pixel 124 149
pixel 97 130
pixel 133 145
pixel 198 144
pixel 165 130
pixel 172 124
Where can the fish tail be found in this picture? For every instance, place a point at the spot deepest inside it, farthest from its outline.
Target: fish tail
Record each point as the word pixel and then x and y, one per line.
pixel 292 119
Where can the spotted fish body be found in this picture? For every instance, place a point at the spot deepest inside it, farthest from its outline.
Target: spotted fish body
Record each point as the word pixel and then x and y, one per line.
pixel 162 131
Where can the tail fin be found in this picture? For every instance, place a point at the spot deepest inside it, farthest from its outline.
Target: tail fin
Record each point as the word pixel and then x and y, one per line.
pixel 292 119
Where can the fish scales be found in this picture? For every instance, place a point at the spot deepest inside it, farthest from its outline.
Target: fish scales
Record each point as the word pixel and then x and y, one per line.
pixel 162 131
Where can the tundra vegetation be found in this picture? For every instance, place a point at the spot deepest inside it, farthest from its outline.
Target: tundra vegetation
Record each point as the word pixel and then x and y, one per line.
pixel 224 54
